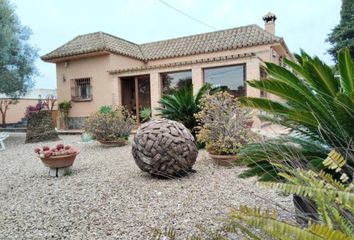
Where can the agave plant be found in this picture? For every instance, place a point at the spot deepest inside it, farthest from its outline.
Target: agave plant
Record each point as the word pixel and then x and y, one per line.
pixel 145 114
pixel 181 105
pixel 317 106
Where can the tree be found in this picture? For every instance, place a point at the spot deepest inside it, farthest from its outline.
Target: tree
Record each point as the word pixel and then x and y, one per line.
pixel 17 56
pixel 317 106
pixel 343 34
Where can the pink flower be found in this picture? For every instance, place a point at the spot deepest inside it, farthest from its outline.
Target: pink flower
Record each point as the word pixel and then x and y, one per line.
pixel 60 146
pixel 45 148
pixel 37 150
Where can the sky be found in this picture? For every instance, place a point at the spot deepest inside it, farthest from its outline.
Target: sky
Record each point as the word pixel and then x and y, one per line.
pixel 304 24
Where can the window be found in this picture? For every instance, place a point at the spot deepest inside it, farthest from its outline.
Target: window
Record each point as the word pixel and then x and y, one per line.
pixel 175 80
pixel 81 89
pixel 230 78
pixel 263 75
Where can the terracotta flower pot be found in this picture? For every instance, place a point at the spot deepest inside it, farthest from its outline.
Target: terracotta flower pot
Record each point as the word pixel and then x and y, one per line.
pixel 117 143
pixel 59 161
pixel 223 160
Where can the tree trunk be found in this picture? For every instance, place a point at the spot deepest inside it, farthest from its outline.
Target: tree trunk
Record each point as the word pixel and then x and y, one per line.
pixel 3 120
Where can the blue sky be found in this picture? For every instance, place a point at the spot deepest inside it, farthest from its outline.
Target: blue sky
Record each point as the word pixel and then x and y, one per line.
pixel 303 23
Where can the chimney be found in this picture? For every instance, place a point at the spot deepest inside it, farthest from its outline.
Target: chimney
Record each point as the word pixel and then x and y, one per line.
pixel 269 22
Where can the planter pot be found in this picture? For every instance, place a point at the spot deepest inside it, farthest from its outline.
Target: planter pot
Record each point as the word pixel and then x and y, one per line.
pixel 59 161
pixel 115 143
pixel 223 160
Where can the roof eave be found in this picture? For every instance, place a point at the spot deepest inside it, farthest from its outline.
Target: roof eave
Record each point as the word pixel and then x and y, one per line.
pixel 73 57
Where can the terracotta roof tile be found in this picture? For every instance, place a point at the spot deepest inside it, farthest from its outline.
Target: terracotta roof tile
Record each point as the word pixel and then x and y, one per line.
pixel 233 38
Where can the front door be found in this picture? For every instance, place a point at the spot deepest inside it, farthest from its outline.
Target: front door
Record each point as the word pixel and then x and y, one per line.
pixel 136 94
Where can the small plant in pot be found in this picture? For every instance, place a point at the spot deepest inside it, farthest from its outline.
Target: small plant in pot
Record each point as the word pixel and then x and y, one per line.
pixel 111 125
pixel 64 108
pixel 223 127
pixel 58 157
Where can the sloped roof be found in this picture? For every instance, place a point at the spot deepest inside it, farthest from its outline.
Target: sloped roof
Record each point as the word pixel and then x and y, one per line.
pixel 95 42
pixel 233 38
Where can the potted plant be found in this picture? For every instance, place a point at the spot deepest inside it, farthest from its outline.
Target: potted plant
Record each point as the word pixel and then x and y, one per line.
pixel 222 126
pixel 58 157
pixel 64 108
pixel 145 114
pixel 110 125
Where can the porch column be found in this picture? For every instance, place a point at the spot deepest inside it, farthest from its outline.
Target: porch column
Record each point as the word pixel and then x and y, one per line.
pixel 197 78
pixel 155 91
pixel 252 73
pixel 116 90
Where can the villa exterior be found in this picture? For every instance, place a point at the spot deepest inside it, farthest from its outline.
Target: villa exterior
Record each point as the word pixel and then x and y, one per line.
pixel 100 69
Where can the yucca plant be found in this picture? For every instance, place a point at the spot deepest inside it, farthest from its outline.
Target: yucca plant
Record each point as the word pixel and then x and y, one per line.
pixel 317 106
pixel 334 200
pixel 181 105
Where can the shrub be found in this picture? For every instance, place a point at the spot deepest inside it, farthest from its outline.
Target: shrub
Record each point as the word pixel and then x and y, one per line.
pixel 334 200
pixel 65 105
pixel 110 126
pixel 222 123
pixel 105 109
pixel 318 108
pixel 39 106
pixel 145 114
pixel 181 105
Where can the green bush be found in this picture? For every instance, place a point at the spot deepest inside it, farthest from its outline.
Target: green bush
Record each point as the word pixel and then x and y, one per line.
pixel 222 123
pixel 105 109
pixel 65 105
pixel 145 114
pixel 318 108
pixel 181 105
pixel 112 125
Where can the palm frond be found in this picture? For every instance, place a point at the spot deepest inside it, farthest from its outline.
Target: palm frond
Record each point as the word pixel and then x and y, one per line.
pixel 266 221
pixel 346 69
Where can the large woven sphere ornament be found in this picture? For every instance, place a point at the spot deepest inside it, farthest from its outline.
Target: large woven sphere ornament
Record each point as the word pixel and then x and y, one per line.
pixel 164 148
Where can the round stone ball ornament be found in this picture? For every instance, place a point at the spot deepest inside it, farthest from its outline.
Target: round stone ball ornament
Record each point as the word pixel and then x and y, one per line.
pixel 164 148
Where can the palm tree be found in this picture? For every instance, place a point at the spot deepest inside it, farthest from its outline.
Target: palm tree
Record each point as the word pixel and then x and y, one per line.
pixel 181 105
pixel 317 106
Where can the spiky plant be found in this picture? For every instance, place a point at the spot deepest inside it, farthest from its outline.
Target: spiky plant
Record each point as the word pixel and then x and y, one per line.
pixel 317 106
pixel 181 105
pixel 145 114
pixel 334 200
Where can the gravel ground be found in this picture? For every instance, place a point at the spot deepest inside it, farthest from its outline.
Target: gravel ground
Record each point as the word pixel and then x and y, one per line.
pixel 108 197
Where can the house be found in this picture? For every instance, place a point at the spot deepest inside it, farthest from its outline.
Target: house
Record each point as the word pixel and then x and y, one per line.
pixel 16 112
pixel 99 69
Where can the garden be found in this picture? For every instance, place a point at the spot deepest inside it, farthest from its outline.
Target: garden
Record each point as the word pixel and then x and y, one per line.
pixel 199 170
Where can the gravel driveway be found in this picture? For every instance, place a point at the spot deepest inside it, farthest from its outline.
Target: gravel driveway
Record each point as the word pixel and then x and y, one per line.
pixel 108 197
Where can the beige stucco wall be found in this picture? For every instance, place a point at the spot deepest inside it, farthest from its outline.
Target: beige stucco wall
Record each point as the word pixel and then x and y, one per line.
pixel 106 88
pixel 96 68
pixel 17 111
